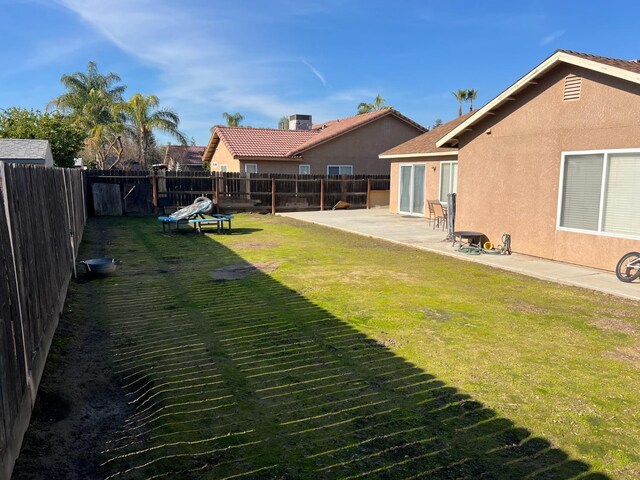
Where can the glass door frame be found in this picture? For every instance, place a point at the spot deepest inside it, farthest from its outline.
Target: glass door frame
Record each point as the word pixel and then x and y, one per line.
pixel 411 188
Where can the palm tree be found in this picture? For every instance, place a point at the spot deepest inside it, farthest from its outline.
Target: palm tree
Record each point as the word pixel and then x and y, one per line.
pixel 142 117
pixel 90 96
pixel 461 96
pixel 471 96
pixel 378 104
pixel 90 100
pixel 233 120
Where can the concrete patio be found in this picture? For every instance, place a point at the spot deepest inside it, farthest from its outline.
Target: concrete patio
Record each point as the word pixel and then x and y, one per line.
pixel 417 232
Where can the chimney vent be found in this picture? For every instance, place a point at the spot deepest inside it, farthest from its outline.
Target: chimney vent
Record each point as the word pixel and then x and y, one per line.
pixel 299 122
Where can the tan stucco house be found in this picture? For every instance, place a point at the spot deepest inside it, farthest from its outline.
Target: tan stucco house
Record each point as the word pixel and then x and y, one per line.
pixel 348 146
pixel 421 171
pixel 554 160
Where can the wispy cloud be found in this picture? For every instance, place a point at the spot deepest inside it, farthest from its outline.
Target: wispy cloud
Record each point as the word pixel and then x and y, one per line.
pixel 551 37
pixel 204 68
pixel 315 72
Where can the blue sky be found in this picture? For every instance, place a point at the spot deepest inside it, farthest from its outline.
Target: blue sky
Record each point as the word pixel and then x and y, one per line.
pixel 268 58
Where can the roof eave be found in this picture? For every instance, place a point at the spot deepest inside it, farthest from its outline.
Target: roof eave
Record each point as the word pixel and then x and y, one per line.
pixel 451 139
pixel 417 155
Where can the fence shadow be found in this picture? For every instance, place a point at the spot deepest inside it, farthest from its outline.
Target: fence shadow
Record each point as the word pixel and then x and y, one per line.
pixel 247 378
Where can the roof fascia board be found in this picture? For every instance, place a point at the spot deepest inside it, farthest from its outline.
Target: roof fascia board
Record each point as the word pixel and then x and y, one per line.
pixel 416 155
pixel 549 63
pixel 497 101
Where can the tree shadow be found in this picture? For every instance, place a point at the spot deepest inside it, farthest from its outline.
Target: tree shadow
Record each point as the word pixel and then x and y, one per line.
pixel 249 379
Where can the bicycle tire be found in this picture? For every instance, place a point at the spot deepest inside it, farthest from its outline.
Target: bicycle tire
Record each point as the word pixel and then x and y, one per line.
pixel 623 272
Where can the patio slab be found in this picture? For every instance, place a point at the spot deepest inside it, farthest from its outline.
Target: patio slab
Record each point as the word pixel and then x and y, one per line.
pixel 418 233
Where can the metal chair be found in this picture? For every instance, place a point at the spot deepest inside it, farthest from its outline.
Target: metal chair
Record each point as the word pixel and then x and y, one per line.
pixel 440 216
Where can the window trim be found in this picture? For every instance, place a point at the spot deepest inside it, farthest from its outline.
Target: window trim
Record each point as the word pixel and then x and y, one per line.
pixel 440 179
pixel 342 165
pixel 250 164
pixel 223 166
pixel 603 188
pixel 304 165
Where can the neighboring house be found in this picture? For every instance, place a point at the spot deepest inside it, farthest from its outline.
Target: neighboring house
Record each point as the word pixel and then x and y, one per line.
pixel 26 151
pixel 554 160
pixel 348 146
pixel 178 157
pixel 420 171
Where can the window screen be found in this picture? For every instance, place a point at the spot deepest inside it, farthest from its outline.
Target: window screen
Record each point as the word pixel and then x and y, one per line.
pixel 621 212
pixel 581 191
pixel 448 179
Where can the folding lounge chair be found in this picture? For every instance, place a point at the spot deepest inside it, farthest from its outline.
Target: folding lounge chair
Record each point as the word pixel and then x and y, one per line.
pixel 198 208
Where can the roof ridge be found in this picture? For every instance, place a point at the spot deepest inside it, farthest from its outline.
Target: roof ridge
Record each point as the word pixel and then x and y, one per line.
pixel 269 129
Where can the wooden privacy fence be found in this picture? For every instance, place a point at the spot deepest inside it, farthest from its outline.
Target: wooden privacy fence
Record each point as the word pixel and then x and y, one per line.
pixel 243 191
pixel 42 218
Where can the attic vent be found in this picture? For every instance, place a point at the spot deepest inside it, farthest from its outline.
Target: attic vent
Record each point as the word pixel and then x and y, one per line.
pixel 572 87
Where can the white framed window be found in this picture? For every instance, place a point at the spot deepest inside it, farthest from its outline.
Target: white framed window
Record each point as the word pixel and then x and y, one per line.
pixel 599 192
pixel 339 169
pixel 223 167
pixel 304 169
pixel 448 180
pixel 214 164
pixel 251 168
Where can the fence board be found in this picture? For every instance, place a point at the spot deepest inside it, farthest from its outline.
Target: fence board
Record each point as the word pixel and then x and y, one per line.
pixel 41 223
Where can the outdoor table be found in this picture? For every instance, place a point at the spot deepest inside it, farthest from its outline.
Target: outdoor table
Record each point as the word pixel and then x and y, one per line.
pixel 467 235
pixel 217 219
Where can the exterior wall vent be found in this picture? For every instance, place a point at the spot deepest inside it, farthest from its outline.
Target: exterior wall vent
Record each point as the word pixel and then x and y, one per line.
pixel 572 87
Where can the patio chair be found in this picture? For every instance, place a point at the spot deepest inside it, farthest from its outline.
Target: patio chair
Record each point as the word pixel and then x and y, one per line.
pixel 440 216
pixel 432 213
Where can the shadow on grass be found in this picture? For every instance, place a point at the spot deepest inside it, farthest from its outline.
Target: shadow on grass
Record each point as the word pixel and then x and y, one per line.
pixel 249 379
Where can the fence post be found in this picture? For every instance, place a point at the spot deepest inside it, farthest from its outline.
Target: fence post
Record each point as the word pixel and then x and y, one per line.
pixel 321 194
pixel 273 196
pixel 154 189
pixel 368 193
pixel 216 191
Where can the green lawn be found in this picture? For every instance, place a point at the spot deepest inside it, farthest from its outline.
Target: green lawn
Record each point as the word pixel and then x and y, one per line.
pixel 345 357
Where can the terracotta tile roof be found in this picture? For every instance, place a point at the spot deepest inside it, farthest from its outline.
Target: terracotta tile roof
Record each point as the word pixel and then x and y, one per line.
pixel 426 143
pixel 247 142
pixel 335 128
pixel 631 65
pixel 186 155
pixel 262 142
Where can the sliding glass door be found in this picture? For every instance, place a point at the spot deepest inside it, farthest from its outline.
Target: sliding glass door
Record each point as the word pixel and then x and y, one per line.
pixel 412 189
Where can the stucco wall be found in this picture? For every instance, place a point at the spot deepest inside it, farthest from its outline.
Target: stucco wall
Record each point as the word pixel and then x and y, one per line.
pixel 508 179
pixel 222 156
pixel 432 185
pixel 361 147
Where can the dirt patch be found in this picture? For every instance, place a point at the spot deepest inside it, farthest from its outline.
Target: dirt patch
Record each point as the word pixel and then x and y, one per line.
pixel 79 405
pixel 526 307
pixel 257 245
pixel 387 342
pixel 437 315
pixel 239 271
pixel 616 325
pixel 630 355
